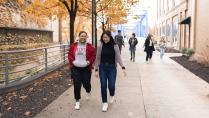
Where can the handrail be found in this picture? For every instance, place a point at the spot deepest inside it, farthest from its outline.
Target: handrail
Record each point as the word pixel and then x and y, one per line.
pixel 45 60
pixel 29 50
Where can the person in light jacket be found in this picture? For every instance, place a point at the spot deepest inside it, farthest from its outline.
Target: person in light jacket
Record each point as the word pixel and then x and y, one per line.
pixel 108 55
pixel 162 47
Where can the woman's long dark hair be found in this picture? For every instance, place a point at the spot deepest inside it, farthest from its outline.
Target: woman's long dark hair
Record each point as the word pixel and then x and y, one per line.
pixel 108 33
pixel 149 37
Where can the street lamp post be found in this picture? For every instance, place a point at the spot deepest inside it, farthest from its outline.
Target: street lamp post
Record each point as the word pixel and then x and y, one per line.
pixel 94 22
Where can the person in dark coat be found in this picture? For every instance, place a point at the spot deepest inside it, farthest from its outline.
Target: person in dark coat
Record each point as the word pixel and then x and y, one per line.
pixel 149 48
pixel 119 40
pixel 132 43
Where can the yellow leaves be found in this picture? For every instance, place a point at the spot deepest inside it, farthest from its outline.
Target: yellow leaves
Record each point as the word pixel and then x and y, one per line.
pixel 9 108
pixel 114 9
pixel 20 2
pixel 136 17
pixel 2 1
pixel 23 97
pixel 27 113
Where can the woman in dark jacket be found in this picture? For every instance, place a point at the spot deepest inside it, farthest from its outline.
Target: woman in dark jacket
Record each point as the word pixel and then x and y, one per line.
pixel 132 43
pixel 149 48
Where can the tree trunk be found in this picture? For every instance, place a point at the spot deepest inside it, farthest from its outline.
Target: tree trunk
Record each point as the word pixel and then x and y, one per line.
pixel 72 23
pixel 103 26
pixel 60 30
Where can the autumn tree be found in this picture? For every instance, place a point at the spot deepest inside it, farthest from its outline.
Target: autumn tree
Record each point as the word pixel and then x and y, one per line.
pixel 39 11
pixel 43 9
pixel 113 12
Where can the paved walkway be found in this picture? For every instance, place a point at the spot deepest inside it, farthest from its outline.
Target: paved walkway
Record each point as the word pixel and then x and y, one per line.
pixel 162 89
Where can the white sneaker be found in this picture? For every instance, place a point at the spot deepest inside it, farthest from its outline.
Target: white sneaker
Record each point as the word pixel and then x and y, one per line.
pixel 104 107
pixel 77 105
pixel 88 95
pixel 150 60
pixel 147 62
pixel 112 99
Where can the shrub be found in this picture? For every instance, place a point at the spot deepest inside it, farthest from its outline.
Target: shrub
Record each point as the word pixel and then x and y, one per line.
pixel 183 50
pixel 190 52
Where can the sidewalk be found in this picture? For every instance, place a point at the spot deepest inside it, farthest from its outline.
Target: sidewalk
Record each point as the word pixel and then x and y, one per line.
pixel 162 89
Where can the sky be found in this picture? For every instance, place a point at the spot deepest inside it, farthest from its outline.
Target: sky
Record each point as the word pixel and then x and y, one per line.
pixel 150 6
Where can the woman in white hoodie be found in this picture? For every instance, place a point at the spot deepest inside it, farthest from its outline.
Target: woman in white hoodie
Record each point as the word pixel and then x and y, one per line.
pixel 81 56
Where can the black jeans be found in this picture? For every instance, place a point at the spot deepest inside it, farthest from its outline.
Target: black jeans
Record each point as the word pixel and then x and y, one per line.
pixel 149 55
pixel 81 76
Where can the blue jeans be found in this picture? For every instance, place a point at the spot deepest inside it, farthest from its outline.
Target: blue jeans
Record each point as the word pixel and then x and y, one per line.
pixel 120 47
pixel 107 73
pixel 162 51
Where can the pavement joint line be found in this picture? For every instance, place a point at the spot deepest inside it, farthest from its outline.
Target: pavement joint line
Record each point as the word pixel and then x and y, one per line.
pixel 145 111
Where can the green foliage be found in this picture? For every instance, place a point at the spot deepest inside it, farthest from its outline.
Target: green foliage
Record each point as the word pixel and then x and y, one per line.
pixel 183 50
pixel 187 51
pixel 190 52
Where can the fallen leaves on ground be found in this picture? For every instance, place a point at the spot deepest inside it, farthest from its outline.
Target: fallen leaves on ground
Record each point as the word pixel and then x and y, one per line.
pixel 23 97
pixel 27 113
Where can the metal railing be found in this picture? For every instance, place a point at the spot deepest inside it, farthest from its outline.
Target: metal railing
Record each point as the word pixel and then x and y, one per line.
pixel 16 66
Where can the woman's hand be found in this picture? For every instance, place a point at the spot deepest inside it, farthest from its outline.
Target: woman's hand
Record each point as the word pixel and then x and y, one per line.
pixel 124 73
pixel 96 74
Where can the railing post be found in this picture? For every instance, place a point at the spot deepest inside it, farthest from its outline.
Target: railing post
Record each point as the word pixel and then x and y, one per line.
pixel 46 59
pixel 64 53
pixel 6 71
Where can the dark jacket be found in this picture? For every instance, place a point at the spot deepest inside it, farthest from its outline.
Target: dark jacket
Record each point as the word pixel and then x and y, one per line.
pixel 119 40
pixel 147 47
pixel 135 42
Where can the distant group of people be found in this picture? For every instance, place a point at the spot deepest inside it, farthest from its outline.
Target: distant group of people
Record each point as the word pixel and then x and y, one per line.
pixel 83 58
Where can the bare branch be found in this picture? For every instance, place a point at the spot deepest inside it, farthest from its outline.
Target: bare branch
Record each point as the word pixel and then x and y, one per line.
pixel 66 5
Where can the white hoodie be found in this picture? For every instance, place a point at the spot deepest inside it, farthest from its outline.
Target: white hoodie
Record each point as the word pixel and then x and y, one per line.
pixel 80 56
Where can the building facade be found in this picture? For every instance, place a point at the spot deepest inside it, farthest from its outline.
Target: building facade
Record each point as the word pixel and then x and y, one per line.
pixel 184 24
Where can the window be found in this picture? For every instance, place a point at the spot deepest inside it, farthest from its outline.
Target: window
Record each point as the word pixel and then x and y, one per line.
pixel 162 7
pixel 175 30
pixel 166 6
pixel 170 4
pixel 177 2
pixel 163 29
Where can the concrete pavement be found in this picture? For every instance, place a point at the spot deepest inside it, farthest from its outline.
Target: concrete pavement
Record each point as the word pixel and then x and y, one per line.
pixel 161 89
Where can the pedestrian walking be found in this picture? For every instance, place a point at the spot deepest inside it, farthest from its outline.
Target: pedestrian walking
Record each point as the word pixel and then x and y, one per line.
pixel 81 56
pixel 132 46
pixel 162 47
pixel 149 48
pixel 108 55
pixel 119 40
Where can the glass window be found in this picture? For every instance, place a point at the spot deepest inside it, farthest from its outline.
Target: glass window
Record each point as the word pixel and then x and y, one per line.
pixel 175 30
pixel 162 7
pixel 166 6
pixel 177 2
pixel 168 1
pixel 163 29
pixel 170 4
